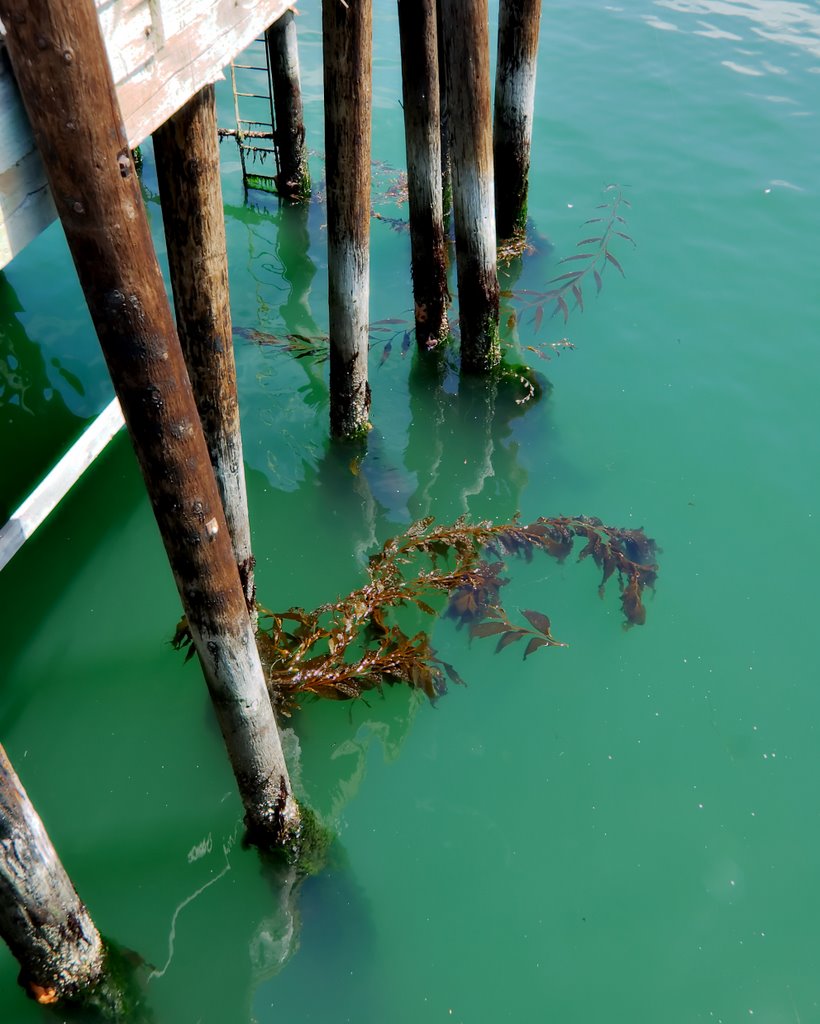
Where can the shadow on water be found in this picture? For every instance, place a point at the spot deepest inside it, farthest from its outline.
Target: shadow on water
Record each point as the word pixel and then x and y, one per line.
pixel 33 414
pixel 331 917
pixel 280 349
pixel 276 256
pixel 461 446
pixel 113 490
pixel 121 997
pixel 239 974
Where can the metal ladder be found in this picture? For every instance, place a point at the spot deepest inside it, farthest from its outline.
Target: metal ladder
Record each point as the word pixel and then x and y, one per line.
pixel 251 133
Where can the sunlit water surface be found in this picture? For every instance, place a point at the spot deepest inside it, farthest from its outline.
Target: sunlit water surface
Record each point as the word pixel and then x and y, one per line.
pixel 626 829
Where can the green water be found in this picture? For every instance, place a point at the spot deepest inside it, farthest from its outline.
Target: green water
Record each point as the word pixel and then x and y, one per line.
pixel 623 830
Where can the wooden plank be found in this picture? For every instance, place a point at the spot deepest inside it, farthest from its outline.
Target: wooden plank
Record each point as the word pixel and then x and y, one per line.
pixel 203 43
pixel 47 495
pixel 128 30
pixel 162 52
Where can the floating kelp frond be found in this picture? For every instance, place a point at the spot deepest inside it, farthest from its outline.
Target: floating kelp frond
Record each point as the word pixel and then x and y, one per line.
pixel 591 262
pixel 346 647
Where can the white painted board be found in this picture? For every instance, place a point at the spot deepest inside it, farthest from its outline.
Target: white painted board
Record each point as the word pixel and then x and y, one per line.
pixel 46 496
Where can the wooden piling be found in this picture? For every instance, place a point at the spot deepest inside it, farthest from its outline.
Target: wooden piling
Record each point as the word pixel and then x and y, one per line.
pixel 42 919
pixel 422 129
pixel 467 56
pixel 518 23
pixel 58 56
pixel 186 148
pixel 293 177
pixel 347 42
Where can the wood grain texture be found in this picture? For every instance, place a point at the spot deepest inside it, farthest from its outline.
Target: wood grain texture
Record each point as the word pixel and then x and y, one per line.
pixel 518 25
pixel 42 919
pixel 186 149
pixel 293 179
pixel 347 31
pixel 467 64
pixel 422 128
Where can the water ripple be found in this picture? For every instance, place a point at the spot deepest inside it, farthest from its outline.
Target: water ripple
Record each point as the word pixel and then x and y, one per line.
pixel 793 24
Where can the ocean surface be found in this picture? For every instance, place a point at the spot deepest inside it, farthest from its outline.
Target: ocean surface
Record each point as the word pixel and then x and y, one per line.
pixel 625 829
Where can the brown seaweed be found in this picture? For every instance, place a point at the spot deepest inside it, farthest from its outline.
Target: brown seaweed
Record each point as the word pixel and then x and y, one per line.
pixel 567 293
pixel 359 642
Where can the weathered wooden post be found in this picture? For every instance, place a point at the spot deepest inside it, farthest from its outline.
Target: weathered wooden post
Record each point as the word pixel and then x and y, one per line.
pixel 293 179
pixel 186 148
pixel 518 22
pixel 347 30
pixel 467 55
pixel 58 56
pixel 42 919
pixel 422 129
